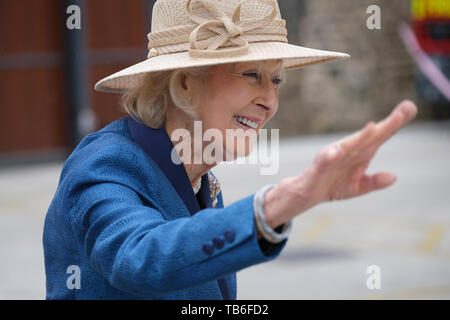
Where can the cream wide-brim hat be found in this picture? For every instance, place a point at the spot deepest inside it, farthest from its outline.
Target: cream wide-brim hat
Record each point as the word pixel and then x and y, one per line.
pixel 197 33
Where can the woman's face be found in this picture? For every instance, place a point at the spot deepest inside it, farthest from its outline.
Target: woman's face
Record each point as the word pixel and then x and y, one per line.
pixel 232 94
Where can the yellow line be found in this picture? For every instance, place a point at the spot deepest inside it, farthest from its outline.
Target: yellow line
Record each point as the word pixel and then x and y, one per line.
pixel 322 224
pixel 443 291
pixel 433 236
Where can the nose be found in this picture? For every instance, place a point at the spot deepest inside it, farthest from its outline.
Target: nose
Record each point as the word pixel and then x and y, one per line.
pixel 267 96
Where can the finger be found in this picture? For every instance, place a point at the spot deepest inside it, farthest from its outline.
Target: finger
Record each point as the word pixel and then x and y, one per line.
pixel 373 135
pixel 409 110
pixel 352 145
pixel 404 113
pixel 381 180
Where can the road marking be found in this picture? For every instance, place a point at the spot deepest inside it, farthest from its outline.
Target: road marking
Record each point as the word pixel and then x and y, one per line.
pixel 320 226
pixel 440 292
pixel 433 237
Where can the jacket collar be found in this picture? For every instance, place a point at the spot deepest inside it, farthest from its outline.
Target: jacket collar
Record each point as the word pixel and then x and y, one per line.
pixel 157 144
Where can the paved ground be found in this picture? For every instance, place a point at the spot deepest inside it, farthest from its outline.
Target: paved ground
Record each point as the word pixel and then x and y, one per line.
pixel 404 230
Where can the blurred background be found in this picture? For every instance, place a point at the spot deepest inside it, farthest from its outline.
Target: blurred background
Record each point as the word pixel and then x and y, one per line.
pixel 47 105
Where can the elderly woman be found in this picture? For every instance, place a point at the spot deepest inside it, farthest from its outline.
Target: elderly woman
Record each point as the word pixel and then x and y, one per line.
pixel 129 220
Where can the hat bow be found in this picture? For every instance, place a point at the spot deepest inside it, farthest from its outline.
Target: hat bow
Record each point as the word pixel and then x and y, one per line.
pixel 226 29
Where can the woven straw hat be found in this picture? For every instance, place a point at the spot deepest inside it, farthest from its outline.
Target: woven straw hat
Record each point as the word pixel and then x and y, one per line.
pixel 195 33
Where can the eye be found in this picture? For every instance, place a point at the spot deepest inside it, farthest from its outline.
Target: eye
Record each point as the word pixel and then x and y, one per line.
pixel 251 75
pixel 255 76
pixel 277 81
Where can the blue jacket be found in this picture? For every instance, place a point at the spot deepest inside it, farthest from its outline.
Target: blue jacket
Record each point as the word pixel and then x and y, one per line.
pixel 125 221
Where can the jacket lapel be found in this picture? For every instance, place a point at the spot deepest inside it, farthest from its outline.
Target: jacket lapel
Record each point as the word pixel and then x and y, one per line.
pixel 157 144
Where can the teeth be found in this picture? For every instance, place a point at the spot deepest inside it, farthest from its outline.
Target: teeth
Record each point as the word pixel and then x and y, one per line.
pixel 248 122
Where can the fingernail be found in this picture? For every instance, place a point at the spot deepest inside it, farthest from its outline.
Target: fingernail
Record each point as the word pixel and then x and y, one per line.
pixel 393 179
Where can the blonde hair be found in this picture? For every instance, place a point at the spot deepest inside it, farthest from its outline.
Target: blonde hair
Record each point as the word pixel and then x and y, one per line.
pixel 149 101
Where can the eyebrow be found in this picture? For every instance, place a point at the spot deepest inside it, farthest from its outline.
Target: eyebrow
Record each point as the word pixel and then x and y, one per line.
pixel 276 68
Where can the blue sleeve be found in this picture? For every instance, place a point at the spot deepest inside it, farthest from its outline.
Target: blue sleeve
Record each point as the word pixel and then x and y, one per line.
pixel 138 250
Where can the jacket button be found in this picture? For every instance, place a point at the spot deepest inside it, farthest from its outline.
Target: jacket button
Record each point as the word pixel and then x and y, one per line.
pixel 208 249
pixel 218 243
pixel 229 236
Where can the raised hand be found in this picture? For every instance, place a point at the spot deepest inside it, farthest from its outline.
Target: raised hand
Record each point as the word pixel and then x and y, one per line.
pixel 338 171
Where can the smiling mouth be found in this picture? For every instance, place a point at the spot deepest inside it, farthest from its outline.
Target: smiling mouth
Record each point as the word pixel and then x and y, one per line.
pixel 246 122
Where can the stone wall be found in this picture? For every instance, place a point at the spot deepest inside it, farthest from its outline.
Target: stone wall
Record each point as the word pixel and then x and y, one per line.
pixel 345 94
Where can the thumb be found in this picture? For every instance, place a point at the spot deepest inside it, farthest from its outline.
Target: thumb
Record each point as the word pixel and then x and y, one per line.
pixel 376 181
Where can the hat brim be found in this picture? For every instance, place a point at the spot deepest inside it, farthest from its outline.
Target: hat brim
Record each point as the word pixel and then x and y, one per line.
pixel 293 57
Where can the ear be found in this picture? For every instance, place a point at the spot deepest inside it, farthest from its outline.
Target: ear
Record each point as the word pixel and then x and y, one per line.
pixel 184 80
pixel 188 86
